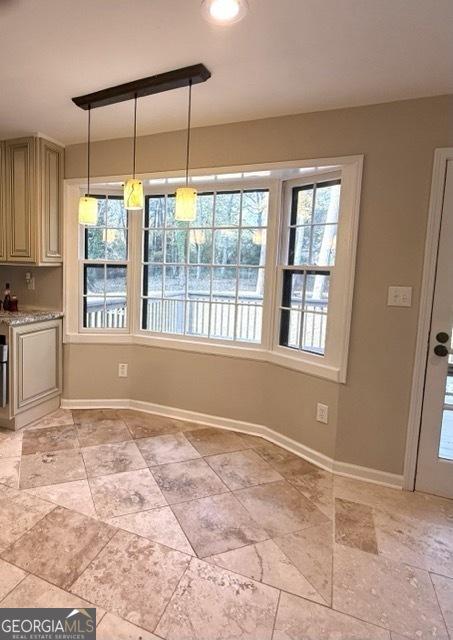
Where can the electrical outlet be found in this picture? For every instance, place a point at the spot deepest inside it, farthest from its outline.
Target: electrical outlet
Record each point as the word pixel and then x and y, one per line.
pixel 322 413
pixel 122 370
pixel 399 297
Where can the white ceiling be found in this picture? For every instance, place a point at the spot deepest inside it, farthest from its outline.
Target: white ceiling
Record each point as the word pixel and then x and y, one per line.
pixel 286 56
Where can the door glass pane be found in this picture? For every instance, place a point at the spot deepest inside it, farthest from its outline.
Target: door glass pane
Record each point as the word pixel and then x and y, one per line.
pixel 446 434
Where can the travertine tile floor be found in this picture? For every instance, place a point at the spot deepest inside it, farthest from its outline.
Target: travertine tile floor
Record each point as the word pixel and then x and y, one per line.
pixel 178 531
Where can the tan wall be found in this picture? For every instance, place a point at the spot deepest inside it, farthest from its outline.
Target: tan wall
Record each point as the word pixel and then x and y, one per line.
pixel 48 292
pixel 369 414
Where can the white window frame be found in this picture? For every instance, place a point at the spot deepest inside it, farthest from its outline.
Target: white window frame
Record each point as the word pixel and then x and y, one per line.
pixel 331 366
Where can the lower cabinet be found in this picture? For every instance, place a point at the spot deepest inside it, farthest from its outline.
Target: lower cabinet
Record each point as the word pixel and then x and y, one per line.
pixel 36 366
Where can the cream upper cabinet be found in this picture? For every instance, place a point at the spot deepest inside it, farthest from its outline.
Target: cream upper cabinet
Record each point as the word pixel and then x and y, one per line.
pixel 33 185
pixel 2 205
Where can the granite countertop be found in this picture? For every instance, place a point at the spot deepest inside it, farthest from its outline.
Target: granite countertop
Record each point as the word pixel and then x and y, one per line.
pixel 18 318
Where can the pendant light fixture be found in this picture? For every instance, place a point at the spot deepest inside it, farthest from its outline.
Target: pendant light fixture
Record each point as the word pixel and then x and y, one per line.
pixel 186 197
pixel 88 206
pixel 134 199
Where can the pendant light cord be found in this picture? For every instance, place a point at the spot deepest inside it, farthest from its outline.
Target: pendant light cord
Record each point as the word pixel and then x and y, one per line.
pixel 89 150
pixel 135 135
pixel 189 117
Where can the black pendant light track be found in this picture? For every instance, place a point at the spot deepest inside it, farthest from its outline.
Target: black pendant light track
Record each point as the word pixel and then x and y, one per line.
pixel 176 79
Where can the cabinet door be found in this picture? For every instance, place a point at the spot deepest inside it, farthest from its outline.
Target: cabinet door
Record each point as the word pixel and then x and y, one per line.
pixel 21 200
pixel 2 204
pixel 36 364
pixel 51 197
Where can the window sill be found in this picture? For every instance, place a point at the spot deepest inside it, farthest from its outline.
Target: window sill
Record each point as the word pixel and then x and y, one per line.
pixel 310 367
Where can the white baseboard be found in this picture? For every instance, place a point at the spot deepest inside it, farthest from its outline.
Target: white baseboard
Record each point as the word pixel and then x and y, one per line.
pixel 356 472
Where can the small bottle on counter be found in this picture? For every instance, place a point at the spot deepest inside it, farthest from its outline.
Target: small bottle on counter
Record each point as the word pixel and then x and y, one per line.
pixel 7 298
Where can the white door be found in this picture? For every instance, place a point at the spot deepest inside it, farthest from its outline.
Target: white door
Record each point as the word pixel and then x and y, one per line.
pixel 435 457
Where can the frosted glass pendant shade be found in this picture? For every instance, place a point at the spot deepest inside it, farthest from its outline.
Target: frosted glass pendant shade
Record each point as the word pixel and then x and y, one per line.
pixel 186 204
pixel 88 210
pixel 134 198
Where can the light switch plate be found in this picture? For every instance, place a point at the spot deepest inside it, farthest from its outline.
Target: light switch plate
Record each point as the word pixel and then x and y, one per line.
pixel 400 297
pixel 322 413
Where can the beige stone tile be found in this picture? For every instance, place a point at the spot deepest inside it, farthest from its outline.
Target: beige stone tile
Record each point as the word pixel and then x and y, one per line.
pixel 243 469
pixel 279 508
pixel 19 512
pixel 72 495
pixel 146 425
pixel 298 619
pixel 10 471
pixel 165 449
pixel 60 546
pixel 113 628
pixel 311 551
pixel 57 418
pixel 112 458
pixel 316 486
pixel 142 576
pixel 213 603
pixel 444 590
pixel 209 441
pixel 126 492
pixel 91 434
pixel 189 480
pixel 354 525
pixel 158 525
pixel 49 439
pixel 217 524
pixel 284 461
pixel 414 505
pixel 265 562
pixel 36 593
pixel 10 443
pixel 41 469
pixel 253 441
pixel 89 416
pixel 389 594
pixel 415 542
pixel 10 576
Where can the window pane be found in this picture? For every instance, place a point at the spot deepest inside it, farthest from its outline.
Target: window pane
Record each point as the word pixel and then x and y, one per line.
pixel 155 246
pixel 297 290
pixel 173 315
pixel 251 285
pixel 152 315
pixel 301 245
pixel 222 321
pixel 94 243
pixel 314 332
pixel 255 205
pixel 116 244
pixel 115 313
pixel 253 246
pixel 175 282
pixel 116 213
pixel 290 328
pixel 175 242
pixel 227 209
pixel 224 282
pixel 324 244
pixel 327 204
pixel 116 280
pixel 102 212
pixel 317 292
pixel 200 246
pixel 304 206
pixel 248 323
pixel 205 210
pixel 94 279
pixel 94 315
pixel 199 282
pixel 171 209
pixel 156 212
pixel 197 317
pixel 153 278
pixel 226 246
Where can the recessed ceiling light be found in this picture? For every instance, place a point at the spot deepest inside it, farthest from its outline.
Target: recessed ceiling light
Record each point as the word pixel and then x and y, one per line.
pixel 224 12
